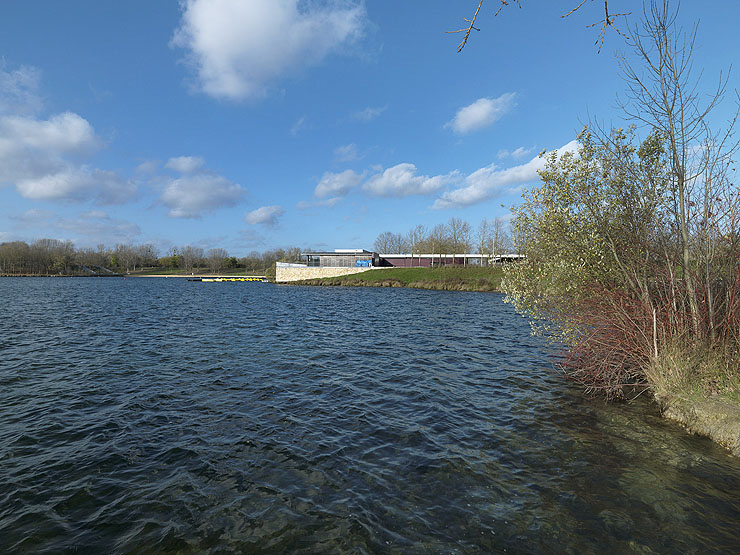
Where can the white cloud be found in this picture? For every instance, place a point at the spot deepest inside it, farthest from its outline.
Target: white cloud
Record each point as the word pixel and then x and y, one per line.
pixel 197 190
pixel 488 182
pixel 369 113
pixel 33 157
pixel 516 154
pixel 298 126
pixel 239 48
pixel 251 238
pixel 401 181
pixel 33 216
pixel 94 214
pixel 332 201
pixel 185 164
pixel 62 134
pixel 78 184
pixel 336 184
pixel 192 195
pixel 18 90
pixel 346 153
pixel 91 227
pixel 98 227
pixel 100 95
pixel 481 113
pixel 148 167
pixel 41 157
pixel 266 215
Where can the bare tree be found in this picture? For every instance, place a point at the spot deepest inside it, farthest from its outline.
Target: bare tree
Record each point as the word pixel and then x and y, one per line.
pixel 146 255
pixel 217 259
pixel 14 257
pixel 252 262
pixel 500 238
pixel 459 231
pixel 292 254
pixel 190 257
pixel 437 242
pixel 415 240
pixel 384 242
pixel 125 257
pixel 664 94
pixel 50 256
pixel 483 237
pixel 398 244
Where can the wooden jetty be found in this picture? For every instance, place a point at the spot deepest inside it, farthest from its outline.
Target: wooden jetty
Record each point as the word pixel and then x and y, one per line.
pixel 228 278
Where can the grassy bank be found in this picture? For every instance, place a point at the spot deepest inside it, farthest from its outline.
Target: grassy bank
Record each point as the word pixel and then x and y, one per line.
pixel 700 389
pixel 469 278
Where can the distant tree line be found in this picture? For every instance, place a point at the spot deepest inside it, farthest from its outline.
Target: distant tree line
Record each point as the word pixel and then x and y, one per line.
pixel 56 257
pixel 454 237
pixel 191 259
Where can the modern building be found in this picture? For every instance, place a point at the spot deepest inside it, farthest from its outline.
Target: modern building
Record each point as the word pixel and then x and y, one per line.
pixel 339 262
pixel 427 260
pixel 341 258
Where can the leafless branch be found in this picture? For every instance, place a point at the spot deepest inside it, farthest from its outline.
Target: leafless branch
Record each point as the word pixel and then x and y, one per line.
pixel 574 9
pixel 468 29
pixel 608 21
pixel 505 3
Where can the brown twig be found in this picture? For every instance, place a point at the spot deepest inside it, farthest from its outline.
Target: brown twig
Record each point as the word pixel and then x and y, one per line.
pixel 574 9
pixel 608 21
pixel 469 28
pixel 505 3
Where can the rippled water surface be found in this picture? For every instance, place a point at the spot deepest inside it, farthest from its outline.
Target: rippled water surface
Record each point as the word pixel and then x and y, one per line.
pixel 161 415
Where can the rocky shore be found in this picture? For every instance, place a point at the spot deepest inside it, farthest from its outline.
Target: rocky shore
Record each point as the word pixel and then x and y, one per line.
pixel 713 418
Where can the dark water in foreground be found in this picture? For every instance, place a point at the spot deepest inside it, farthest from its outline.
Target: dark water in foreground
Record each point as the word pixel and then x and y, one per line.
pixel 160 415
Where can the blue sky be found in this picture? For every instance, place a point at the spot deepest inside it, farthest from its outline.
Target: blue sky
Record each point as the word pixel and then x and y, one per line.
pixel 254 124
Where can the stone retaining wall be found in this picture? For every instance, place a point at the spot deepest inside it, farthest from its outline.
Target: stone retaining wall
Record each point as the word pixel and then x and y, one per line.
pixel 285 274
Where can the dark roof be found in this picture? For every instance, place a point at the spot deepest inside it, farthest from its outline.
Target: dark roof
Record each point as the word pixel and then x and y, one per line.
pixel 332 253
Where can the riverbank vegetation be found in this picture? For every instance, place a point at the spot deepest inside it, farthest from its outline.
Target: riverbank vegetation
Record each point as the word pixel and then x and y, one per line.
pixel 633 243
pixel 446 278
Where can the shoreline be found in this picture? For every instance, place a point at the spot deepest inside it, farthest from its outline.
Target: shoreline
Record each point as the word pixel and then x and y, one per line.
pixel 432 286
pixel 61 275
pixel 713 418
pixel 123 276
pixel 191 276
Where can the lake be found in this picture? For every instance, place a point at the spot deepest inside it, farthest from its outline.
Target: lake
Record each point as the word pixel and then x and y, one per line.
pixel 168 416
